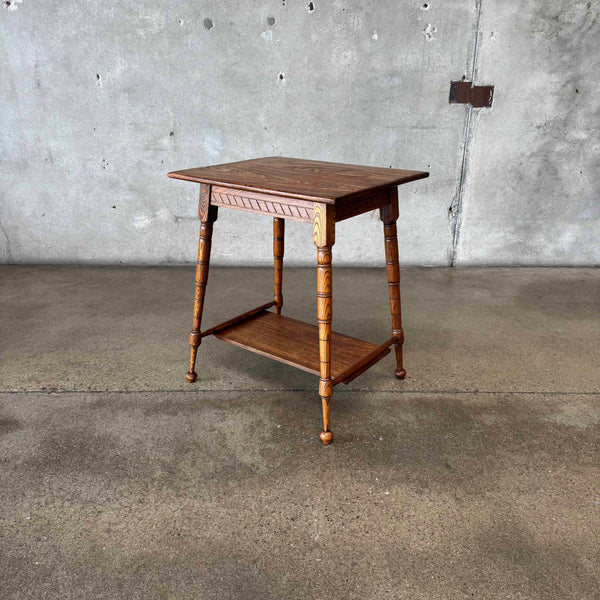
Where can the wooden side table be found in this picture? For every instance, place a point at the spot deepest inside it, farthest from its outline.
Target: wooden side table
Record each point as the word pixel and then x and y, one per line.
pixel 321 193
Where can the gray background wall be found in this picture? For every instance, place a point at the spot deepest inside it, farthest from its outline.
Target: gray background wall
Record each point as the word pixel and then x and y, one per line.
pixel 99 100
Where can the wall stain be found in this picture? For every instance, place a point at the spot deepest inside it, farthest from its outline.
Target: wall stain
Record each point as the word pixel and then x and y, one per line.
pixel 428 32
pixel 12 4
pixel 36 72
pixel 267 36
pixel 179 218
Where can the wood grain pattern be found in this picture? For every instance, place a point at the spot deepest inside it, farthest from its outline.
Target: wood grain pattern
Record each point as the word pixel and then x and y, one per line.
pixel 204 202
pixel 364 363
pixel 294 343
pixel 324 238
pixel 202 265
pixel 392 269
pixel 325 182
pixel 278 243
pixel 326 434
pixel 237 319
pixel 367 364
pixel 324 225
pixel 324 316
pixel 320 193
pixel 266 204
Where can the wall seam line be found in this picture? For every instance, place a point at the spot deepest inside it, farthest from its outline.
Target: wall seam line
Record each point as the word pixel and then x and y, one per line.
pixel 456 206
pixel 9 257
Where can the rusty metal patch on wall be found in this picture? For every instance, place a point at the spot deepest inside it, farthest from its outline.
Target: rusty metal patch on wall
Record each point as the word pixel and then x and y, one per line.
pixel 464 92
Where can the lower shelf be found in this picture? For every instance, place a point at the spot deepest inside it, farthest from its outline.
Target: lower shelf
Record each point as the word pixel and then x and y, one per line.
pixel 296 343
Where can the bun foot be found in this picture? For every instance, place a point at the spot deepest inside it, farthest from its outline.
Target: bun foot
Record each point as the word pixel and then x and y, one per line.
pixel 400 373
pixel 191 377
pixel 326 437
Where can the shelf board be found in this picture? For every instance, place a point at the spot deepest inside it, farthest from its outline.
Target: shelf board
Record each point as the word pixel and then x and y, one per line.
pixel 294 343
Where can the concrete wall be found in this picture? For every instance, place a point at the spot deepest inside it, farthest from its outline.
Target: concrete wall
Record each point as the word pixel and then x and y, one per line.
pixel 99 100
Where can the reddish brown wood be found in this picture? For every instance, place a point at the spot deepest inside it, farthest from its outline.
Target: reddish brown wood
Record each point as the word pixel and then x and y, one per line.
pixel 239 319
pixel 309 191
pixel 326 435
pixel 366 361
pixel 388 215
pixel 204 202
pixel 324 315
pixel 294 343
pixel 357 207
pixel 324 238
pixel 278 241
pixel 319 181
pixel 367 365
pixel 202 265
pixel 266 204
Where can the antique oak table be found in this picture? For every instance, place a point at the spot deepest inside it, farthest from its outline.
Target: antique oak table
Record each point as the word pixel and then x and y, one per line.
pixel 321 193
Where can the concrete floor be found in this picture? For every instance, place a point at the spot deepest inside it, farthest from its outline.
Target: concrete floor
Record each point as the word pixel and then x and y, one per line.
pixel 477 477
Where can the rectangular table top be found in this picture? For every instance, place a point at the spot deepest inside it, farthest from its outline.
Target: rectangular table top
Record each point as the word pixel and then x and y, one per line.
pixel 319 181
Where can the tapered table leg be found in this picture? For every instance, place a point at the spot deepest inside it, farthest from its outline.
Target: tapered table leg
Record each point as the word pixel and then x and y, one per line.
pixel 278 242
pixel 208 215
pixel 324 237
pixel 389 215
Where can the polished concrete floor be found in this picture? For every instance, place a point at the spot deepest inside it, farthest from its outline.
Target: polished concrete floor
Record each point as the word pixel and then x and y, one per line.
pixel 476 477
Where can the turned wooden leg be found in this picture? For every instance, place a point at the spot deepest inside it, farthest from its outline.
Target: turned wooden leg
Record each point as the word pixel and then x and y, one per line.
pixel 389 215
pixel 208 215
pixel 324 236
pixel 278 241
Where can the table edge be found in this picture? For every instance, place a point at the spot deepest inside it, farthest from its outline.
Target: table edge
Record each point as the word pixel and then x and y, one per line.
pixel 313 198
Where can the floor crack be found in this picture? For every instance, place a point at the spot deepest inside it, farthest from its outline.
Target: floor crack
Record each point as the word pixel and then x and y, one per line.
pixel 301 391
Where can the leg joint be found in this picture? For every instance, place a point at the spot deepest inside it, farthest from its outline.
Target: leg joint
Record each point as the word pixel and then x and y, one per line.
pixel 326 387
pixel 195 338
